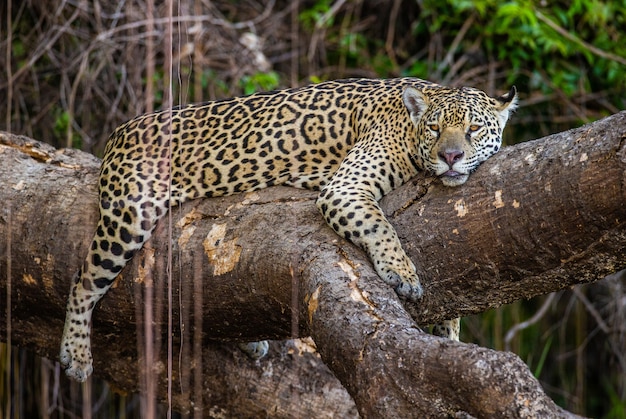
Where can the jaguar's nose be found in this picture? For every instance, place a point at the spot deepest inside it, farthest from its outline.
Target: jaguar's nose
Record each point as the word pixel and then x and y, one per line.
pixel 451 156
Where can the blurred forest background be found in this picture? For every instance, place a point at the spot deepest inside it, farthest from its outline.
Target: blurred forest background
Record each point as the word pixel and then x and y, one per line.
pixel 72 70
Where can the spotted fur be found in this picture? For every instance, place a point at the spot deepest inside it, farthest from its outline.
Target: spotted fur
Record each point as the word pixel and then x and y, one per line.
pixel 353 140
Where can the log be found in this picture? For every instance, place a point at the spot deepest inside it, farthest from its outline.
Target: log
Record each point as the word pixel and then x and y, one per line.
pixel 536 218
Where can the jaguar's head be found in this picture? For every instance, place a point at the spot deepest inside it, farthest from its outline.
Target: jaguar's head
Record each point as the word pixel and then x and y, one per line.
pixel 457 129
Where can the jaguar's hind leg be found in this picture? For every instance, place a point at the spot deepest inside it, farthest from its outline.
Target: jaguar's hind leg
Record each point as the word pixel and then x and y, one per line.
pixel 75 352
pixel 118 236
pixel 450 329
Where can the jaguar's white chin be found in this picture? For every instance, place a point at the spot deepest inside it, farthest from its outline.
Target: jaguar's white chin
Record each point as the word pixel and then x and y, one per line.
pixel 453 178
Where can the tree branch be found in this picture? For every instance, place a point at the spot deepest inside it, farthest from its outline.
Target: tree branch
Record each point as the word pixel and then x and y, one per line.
pixel 536 218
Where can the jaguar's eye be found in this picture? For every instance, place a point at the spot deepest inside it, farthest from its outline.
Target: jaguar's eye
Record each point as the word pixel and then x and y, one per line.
pixel 434 127
pixel 474 128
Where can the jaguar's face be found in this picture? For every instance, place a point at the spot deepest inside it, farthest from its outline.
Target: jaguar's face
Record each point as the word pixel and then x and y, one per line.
pixel 457 129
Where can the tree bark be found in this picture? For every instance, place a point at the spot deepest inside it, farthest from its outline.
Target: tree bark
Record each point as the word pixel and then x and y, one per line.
pixel 538 217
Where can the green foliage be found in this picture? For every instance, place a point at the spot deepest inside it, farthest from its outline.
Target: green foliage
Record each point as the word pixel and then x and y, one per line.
pixel 259 82
pixel 542 359
pixel 17 49
pixel 313 79
pixel 312 16
pixel 552 42
pixel 62 128
pixel 617 404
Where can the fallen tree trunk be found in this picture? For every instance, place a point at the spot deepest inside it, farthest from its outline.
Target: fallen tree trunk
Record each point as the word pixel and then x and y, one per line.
pixel 536 218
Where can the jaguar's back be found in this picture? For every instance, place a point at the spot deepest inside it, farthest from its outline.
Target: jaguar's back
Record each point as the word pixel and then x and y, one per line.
pixel 296 137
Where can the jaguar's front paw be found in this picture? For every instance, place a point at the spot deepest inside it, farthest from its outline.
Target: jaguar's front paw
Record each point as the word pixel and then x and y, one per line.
pixel 407 286
pixel 410 290
pixel 75 356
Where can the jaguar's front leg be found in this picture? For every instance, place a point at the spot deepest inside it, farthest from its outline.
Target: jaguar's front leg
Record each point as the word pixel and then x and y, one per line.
pixel 355 214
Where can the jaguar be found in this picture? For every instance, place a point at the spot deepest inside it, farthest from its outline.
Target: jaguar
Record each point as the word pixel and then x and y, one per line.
pixel 353 140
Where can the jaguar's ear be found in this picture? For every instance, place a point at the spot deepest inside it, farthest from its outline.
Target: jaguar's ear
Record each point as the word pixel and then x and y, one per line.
pixel 506 104
pixel 416 103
